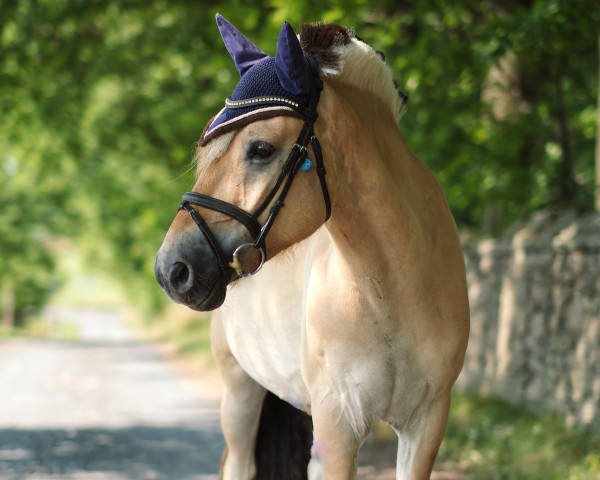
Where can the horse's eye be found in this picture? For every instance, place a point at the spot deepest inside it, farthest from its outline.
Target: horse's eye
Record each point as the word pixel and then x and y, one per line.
pixel 261 150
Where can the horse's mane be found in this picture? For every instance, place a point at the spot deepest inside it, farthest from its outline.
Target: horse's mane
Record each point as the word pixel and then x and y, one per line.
pixel 341 54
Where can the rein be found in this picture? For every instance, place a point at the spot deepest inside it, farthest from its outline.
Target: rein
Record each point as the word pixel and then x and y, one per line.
pixel 295 161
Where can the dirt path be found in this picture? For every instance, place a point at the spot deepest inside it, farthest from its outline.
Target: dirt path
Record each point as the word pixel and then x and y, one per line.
pixel 103 407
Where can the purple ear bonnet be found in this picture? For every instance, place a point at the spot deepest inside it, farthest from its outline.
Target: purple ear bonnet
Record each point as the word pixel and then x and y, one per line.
pixel 269 87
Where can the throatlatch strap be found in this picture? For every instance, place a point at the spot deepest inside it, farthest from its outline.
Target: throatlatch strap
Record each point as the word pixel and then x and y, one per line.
pixel 295 153
pixel 297 160
pixel 316 146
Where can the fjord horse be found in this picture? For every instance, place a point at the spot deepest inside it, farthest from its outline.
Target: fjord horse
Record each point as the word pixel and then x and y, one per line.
pixel 361 318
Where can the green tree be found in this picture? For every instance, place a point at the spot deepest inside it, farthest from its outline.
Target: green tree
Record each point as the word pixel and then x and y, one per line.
pixel 502 99
pixel 101 103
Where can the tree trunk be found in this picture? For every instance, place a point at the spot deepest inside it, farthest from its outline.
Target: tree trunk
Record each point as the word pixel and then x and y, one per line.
pixel 597 192
pixel 567 187
pixel 8 306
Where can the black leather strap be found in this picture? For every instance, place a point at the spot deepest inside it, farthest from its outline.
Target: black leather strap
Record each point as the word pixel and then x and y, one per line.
pixel 316 146
pixel 212 241
pixel 279 203
pixel 295 153
pixel 225 208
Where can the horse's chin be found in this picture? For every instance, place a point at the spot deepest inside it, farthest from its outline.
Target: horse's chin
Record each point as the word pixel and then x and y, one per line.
pixel 213 300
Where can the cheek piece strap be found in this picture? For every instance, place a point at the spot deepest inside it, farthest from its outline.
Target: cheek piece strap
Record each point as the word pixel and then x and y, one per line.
pixel 295 161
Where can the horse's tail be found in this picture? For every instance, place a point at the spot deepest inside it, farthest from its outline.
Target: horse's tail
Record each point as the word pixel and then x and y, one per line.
pixel 283 442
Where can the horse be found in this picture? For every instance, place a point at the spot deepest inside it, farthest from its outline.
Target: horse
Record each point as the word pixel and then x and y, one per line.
pixel 346 307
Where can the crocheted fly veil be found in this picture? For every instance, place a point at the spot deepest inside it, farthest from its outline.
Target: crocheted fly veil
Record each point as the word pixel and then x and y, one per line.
pixel 269 86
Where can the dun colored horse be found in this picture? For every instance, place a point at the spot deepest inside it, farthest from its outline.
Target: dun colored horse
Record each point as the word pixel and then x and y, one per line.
pixel 345 307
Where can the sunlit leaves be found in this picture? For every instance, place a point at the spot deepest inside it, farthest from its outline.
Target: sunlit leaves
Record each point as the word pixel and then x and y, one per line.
pixel 101 104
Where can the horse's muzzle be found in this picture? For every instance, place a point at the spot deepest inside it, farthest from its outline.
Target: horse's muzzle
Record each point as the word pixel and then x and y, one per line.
pixel 189 273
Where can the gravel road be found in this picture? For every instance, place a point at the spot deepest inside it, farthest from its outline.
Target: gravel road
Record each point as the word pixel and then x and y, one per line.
pixel 103 407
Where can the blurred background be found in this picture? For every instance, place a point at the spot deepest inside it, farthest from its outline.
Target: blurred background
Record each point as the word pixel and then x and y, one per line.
pixel 101 103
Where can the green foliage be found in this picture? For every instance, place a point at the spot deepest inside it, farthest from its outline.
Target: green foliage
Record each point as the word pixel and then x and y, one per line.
pixel 492 440
pixel 26 260
pixel 101 103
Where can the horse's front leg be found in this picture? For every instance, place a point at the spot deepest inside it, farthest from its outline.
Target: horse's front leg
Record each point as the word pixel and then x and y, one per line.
pixel 240 410
pixel 240 414
pixel 418 446
pixel 337 438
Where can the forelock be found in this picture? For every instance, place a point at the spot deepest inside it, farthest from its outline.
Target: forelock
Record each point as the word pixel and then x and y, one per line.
pixel 212 151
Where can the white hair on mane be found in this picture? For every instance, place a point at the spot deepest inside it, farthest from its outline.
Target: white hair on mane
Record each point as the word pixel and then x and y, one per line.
pixel 362 67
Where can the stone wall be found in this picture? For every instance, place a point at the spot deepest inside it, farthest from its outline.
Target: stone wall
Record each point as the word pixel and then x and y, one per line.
pixel 535 316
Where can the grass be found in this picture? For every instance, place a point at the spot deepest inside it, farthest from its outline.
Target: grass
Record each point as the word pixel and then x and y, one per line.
pixel 490 439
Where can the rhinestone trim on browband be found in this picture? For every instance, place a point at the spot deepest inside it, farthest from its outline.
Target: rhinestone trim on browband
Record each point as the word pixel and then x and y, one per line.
pixel 281 108
pixel 258 100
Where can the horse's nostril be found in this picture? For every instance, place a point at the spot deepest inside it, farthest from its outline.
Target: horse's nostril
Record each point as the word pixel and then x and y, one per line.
pixel 179 277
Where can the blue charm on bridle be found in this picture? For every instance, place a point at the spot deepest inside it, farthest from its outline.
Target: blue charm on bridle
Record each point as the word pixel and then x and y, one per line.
pixel 306 165
pixel 287 84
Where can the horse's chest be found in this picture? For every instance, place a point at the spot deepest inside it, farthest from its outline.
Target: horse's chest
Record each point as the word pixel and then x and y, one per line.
pixel 264 335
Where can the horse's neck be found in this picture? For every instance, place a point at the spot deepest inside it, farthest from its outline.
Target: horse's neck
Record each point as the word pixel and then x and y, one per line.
pixel 386 201
pixel 365 173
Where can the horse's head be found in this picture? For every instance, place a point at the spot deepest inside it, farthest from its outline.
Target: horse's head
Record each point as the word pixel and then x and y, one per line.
pixel 252 157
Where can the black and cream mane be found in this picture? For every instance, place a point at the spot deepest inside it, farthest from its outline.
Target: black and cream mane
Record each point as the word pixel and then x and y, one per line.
pixel 339 53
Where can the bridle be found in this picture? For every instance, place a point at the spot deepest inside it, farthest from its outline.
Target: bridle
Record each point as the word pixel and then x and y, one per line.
pixel 296 160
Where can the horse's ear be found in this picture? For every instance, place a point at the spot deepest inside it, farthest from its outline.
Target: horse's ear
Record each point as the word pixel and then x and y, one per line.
pixel 244 53
pixel 290 64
